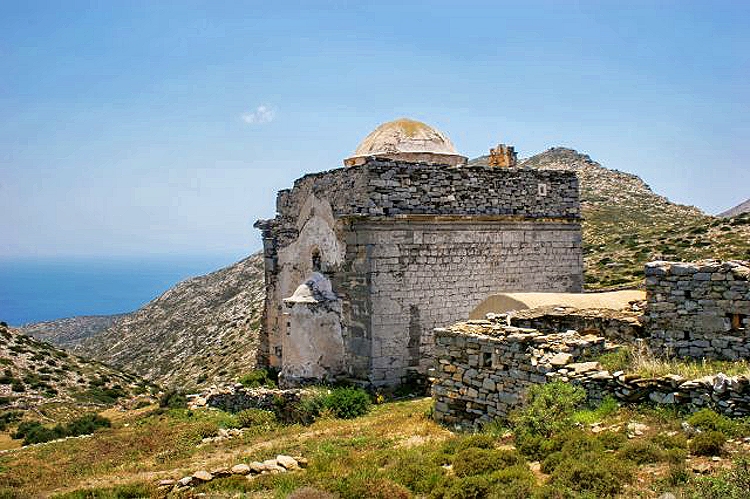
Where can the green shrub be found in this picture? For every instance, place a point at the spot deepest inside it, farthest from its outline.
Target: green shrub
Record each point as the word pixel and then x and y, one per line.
pixel 516 482
pixel 730 484
pixel 473 461
pixel 256 418
pixel 418 475
pixel 472 487
pixel 348 403
pixel 597 474
pixel 708 420
pixel 86 424
pixel 641 452
pixel 260 377
pixel 549 409
pixel 612 440
pixel 173 399
pixel 476 441
pixel 708 443
pixel 9 417
pixel 668 442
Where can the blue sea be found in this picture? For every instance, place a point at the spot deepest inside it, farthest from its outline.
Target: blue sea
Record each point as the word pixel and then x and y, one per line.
pixel 33 290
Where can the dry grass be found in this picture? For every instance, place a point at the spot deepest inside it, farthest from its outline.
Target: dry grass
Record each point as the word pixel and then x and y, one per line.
pixel 641 361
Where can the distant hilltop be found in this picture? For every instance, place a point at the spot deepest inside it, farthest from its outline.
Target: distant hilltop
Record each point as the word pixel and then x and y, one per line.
pixel 737 210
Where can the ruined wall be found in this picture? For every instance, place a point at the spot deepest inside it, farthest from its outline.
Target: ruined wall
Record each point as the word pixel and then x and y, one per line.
pixel 699 309
pixel 484 369
pixel 615 325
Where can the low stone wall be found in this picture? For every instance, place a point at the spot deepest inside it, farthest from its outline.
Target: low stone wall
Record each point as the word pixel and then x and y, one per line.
pixel 699 310
pixel 484 368
pixel 614 325
pixel 236 398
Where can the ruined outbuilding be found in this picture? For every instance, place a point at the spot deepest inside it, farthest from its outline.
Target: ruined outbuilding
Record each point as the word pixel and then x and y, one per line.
pixel 363 262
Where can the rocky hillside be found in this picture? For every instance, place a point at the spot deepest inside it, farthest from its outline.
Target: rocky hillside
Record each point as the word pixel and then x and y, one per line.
pixel 737 210
pixel 33 373
pixel 201 331
pixel 626 224
pixel 68 333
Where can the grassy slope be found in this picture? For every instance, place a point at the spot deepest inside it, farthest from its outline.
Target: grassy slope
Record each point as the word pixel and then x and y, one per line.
pixel 626 224
pixel 394 446
pixel 37 376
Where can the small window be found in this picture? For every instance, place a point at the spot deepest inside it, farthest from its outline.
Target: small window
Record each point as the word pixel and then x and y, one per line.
pixel 486 359
pixel 541 189
pixel 737 322
pixel 317 261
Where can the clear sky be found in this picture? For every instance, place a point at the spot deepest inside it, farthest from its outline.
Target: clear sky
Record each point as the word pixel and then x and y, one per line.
pixel 157 127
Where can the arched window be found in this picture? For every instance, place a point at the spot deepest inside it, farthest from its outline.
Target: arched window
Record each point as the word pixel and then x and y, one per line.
pixel 317 261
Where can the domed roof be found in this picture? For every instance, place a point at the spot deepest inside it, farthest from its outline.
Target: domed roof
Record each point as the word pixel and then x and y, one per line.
pixel 407 140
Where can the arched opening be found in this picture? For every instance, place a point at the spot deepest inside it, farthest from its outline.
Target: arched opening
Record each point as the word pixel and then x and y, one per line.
pixel 317 260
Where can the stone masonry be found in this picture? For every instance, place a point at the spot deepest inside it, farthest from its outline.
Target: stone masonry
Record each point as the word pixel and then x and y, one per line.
pixel 699 310
pixel 408 247
pixel 485 368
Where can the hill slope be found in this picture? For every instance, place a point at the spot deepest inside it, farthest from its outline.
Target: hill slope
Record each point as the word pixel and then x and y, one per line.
pixel 34 373
pixel 737 210
pixel 200 331
pixel 626 224
pixel 71 331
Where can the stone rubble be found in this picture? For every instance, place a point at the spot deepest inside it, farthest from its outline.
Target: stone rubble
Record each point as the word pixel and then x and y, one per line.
pixel 281 464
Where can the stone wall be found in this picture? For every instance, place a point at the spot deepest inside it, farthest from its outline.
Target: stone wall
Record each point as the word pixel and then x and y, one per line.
pixel 699 310
pixel 485 368
pixel 424 273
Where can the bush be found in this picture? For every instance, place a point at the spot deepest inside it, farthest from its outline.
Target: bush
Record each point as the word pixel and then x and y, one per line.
pixel 472 461
pixel 549 409
pixel 597 474
pixel 612 440
pixel 256 417
pixel 260 377
pixel 731 484
pixel 476 441
pixel 7 418
pixel 418 475
pixel 641 452
pixel 34 432
pixel 513 482
pixel 708 420
pixel 472 487
pixel 668 442
pixel 86 425
pixel 708 443
pixel 173 399
pixel 348 403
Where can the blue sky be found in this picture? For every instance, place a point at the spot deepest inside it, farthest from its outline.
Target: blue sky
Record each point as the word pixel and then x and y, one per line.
pixel 133 128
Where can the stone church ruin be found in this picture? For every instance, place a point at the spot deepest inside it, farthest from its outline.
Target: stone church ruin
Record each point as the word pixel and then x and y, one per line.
pixel 363 262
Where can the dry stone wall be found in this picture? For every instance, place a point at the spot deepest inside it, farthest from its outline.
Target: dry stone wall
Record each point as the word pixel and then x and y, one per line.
pixel 485 368
pixel 699 310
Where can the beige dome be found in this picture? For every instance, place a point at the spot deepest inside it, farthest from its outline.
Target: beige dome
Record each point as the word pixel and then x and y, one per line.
pixel 407 140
